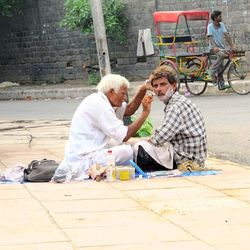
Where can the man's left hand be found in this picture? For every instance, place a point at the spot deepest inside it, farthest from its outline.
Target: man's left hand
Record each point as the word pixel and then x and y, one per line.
pixel 146 86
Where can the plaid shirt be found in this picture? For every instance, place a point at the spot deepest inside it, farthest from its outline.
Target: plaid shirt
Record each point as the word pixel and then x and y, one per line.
pixel 184 128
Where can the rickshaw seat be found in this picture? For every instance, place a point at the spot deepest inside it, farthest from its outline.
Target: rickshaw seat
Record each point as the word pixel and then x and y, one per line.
pixel 177 39
pixel 189 55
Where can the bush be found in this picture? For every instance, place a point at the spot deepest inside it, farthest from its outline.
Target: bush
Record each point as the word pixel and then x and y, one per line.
pixel 7 7
pixel 93 78
pixel 78 16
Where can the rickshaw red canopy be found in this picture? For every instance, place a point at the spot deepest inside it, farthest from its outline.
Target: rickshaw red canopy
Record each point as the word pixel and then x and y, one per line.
pixel 189 31
pixel 173 16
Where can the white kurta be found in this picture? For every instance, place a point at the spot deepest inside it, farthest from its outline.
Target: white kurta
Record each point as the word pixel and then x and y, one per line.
pixel 92 126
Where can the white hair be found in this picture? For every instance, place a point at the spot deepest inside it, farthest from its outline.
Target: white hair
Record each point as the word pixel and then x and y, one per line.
pixel 112 81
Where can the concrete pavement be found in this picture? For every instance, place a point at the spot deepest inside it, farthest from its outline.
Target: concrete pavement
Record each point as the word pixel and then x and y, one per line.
pixel 198 212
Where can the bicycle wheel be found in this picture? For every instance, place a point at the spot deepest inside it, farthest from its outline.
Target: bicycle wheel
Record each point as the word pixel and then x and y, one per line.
pixel 193 84
pixel 239 77
pixel 174 71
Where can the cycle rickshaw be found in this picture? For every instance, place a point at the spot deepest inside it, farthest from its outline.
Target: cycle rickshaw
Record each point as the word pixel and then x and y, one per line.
pixel 181 43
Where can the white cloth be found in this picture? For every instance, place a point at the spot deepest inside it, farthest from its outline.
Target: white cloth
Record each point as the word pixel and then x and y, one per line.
pixel 164 154
pixel 92 126
pixel 77 168
pixel 13 174
pixel 145 38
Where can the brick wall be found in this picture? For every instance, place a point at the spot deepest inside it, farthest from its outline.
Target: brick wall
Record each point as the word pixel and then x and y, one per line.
pixel 34 49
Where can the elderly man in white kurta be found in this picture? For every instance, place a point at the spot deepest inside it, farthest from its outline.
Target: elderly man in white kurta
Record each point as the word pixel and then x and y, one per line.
pixel 97 120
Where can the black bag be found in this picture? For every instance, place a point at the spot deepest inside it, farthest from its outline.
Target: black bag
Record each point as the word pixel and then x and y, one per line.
pixel 40 171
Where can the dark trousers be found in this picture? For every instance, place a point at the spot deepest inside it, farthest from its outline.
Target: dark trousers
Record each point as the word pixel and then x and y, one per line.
pixel 147 163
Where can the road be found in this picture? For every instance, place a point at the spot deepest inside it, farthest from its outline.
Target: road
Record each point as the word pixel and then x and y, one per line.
pixel 227 120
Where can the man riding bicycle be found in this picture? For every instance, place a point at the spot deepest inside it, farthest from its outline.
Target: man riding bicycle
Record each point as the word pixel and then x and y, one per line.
pixel 216 32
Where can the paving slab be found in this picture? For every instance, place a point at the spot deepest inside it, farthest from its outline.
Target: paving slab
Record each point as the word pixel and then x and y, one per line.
pixel 182 245
pixel 137 234
pixel 39 246
pixel 195 212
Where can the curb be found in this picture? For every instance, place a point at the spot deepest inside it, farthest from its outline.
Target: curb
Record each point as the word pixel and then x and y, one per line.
pixel 52 91
pixel 45 93
pixel 48 92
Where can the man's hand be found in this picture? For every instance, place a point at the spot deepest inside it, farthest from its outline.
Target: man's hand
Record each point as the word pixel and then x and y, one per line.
pixel 134 127
pixel 146 103
pixel 136 101
pixel 146 86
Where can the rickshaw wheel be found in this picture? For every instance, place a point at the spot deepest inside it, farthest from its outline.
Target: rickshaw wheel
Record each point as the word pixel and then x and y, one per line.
pixel 192 82
pixel 174 71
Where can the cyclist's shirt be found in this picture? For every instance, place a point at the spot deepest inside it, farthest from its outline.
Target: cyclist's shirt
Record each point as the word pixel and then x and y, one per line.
pixel 217 34
pixel 184 128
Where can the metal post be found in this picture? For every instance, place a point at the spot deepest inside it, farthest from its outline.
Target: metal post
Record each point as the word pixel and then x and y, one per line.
pixel 100 37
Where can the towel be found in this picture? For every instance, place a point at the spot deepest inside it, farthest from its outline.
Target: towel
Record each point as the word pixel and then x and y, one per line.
pixel 145 44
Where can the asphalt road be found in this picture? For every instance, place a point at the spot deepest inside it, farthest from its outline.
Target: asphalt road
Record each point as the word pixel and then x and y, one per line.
pixel 227 120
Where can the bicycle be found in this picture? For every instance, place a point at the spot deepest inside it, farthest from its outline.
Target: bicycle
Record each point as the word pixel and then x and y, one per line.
pixel 193 70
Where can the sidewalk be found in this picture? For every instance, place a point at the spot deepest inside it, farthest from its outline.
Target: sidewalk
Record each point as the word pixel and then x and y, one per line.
pixel 71 90
pixel 196 213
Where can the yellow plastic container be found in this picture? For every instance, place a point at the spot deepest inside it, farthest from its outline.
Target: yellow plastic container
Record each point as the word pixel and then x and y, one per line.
pixel 124 173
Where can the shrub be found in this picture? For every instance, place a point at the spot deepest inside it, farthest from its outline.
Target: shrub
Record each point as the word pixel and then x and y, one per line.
pixel 78 16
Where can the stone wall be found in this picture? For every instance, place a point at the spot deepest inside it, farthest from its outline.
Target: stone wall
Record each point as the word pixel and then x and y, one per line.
pixel 34 49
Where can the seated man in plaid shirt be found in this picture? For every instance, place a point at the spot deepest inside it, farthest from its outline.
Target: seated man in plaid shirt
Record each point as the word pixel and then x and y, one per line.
pixel 182 136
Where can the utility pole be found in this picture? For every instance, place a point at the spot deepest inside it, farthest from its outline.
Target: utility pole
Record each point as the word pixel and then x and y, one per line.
pixel 100 37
